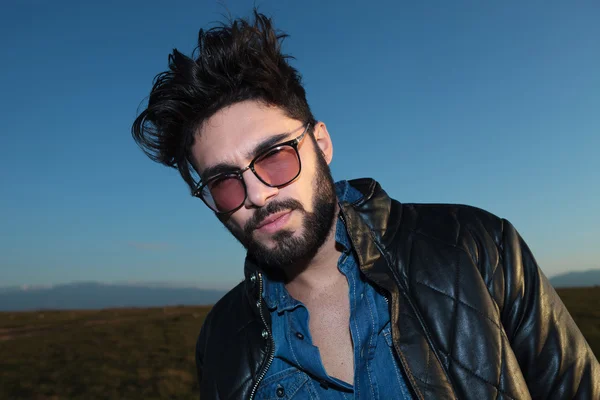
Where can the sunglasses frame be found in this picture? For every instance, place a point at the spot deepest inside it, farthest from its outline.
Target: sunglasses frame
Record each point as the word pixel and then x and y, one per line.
pixel 238 174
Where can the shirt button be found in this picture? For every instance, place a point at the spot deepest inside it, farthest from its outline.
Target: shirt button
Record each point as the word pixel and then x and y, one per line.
pixel 280 391
pixel 299 336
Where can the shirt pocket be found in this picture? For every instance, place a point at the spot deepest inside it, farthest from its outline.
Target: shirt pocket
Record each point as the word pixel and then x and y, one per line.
pixel 287 384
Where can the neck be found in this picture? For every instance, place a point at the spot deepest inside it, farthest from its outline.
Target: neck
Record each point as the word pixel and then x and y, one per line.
pixel 318 273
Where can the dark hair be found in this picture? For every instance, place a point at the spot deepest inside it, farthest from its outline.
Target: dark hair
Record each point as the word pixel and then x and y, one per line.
pixel 232 63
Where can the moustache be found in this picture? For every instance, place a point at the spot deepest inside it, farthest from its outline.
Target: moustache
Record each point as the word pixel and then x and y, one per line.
pixel 271 208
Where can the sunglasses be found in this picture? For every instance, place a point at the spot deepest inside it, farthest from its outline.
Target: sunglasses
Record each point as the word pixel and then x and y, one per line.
pixel 276 166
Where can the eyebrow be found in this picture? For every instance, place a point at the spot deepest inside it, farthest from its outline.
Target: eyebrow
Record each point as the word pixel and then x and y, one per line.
pixel 223 168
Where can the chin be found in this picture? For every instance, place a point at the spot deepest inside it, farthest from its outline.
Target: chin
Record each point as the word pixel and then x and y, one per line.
pixel 273 240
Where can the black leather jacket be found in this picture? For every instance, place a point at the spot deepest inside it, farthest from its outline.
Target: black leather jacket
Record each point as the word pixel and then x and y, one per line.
pixel 473 317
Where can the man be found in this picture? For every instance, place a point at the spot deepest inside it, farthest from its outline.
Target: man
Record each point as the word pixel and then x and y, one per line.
pixel 347 292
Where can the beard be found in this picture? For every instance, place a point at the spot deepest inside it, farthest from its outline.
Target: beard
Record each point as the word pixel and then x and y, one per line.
pixel 290 249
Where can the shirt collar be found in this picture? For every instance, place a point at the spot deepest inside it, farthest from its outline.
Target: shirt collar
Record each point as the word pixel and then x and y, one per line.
pixel 277 297
pixel 345 193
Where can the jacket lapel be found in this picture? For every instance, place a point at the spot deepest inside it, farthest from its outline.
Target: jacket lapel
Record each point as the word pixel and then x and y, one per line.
pixel 382 250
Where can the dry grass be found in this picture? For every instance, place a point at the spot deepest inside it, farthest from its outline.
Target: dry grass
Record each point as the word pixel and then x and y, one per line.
pixel 107 354
pixel 140 353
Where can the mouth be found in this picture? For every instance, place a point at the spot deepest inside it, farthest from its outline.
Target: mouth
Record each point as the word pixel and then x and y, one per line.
pixel 274 222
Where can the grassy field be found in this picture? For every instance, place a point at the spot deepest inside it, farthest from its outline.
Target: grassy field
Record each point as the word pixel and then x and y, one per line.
pixel 584 306
pixel 139 353
pixel 108 354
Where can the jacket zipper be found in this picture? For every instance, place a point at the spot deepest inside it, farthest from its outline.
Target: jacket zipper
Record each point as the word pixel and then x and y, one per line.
pixel 272 350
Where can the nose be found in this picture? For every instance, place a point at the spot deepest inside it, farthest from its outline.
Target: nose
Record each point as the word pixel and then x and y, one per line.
pixel 257 192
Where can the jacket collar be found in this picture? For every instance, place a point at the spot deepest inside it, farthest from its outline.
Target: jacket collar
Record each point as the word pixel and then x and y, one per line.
pixel 368 222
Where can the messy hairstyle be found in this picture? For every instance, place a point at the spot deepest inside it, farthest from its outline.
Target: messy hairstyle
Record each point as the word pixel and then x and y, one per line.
pixel 234 62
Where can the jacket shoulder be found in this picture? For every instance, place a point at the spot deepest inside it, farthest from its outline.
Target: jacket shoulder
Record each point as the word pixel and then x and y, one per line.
pixel 221 346
pixel 452 223
pixel 226 311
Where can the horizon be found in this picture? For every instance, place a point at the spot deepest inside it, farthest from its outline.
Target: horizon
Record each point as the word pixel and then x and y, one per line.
pixel 491 105
pixel 190 285
pixel 142 284
pixel 98 295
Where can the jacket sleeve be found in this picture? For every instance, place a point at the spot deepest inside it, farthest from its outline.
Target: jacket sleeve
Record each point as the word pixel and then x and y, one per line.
pixel 204 375
pixel 556 360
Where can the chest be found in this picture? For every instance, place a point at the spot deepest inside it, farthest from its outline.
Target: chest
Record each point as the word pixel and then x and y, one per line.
pixel 329 327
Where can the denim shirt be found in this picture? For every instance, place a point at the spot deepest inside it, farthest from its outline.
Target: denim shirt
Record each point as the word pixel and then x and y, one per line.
pixel 297 370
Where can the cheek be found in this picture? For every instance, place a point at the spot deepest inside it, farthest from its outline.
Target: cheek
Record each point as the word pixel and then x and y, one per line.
pixel 239 219
pixel 303 190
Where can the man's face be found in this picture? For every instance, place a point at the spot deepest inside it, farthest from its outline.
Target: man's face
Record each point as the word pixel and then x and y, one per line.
pixel 278 226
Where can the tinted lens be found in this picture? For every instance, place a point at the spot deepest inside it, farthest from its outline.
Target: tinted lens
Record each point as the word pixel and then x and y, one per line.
pixel 279 166
pixel 224 194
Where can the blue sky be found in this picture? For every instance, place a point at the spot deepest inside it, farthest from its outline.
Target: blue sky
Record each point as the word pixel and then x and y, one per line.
pixel 493 104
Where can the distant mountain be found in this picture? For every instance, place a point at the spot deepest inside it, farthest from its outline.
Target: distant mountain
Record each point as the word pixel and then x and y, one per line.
pixel 92 295
pixel 577 279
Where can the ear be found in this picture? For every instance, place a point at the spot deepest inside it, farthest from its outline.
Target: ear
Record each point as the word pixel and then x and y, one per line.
pixel 324 141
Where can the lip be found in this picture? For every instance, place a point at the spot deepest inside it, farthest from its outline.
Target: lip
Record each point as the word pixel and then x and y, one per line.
pixel 273 222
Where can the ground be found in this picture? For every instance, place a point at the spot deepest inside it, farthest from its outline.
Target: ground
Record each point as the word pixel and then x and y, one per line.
pixel 140 353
